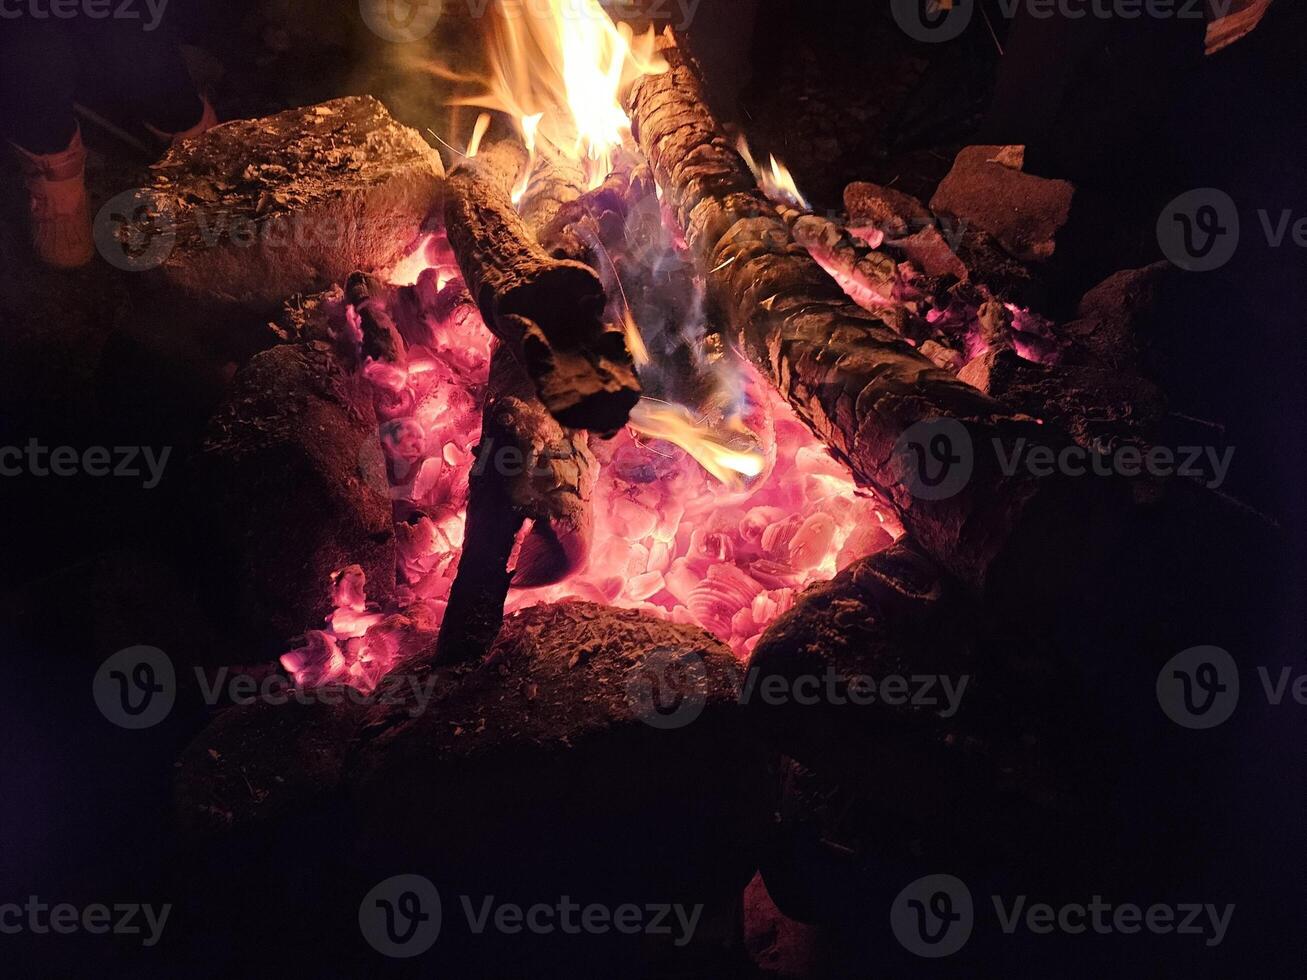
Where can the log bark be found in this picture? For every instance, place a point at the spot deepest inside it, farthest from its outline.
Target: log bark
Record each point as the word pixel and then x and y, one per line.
pixel 859 386
pixel 551 311
pixel 529 467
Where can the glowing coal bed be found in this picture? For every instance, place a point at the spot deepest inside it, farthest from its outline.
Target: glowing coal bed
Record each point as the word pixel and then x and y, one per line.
pixel 670 538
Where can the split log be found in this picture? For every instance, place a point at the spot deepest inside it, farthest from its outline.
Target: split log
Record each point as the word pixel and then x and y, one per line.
pixel 527 468
pixel 848 375
pixel 551 311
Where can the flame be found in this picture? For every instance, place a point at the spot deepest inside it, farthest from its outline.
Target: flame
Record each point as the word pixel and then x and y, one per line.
pixel 478 134
pixel 675 424
pixel 776 181
pixel 565 64
pixel 635 341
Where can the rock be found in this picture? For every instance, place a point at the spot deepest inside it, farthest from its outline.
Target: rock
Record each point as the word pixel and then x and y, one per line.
pixel 916 706
pixel 292 478
pixel 1112 320
pixel 543 775
pixel 552 768
pixel 291 203
pixel 1101 407
pixel 987 190
pixel 895 214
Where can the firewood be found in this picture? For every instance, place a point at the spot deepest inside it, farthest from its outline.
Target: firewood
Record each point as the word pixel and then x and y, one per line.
pixel 527 468
pixel 551 311
pixel 857 384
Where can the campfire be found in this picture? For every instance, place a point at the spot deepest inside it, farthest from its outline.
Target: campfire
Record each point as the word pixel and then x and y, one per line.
pixel 582 429
pixel 621 523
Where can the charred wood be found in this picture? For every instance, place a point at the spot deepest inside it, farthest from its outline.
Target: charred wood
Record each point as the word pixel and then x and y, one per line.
pixel 551 311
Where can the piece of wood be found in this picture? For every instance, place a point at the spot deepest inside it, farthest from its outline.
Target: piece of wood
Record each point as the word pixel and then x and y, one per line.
pixel 853 380
pixel 551 311
pixel 527 467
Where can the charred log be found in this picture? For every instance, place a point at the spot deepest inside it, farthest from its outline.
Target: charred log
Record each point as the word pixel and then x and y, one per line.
pixel 527 468
pixel 848 375
pixel 550 311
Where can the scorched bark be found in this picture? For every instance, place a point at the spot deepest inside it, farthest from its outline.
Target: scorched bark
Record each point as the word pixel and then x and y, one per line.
pixel 847 374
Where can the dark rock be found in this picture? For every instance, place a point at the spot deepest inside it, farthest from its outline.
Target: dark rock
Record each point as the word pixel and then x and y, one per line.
pixel 1113 319
pixel 292 203
pixel 547 771
pixel 894 213
pixel 551 766
pixel 987 190
pixel 293 480
pixel 1101 407
pixel 918 708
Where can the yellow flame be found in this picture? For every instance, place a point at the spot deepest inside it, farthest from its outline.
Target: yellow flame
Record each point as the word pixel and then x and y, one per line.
pixel 566 62
pixel 530 125
pixel 635 341
pixel 478 134
pixel 776 181
pixel 675 424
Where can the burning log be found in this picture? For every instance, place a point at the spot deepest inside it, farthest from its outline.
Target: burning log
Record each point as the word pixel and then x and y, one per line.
pixel 867 274
pixel 550 311
pixel 849 376
pixel 528 468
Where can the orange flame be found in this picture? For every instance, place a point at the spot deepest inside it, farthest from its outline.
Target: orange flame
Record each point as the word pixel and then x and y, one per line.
pixel 567 64
pixel 776 181
pixel 675 424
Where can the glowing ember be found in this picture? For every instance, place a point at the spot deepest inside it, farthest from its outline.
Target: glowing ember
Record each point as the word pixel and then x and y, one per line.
pixel 720 551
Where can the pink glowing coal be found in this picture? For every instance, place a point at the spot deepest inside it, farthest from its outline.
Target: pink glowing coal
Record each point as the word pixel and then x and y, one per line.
pixel 670 539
